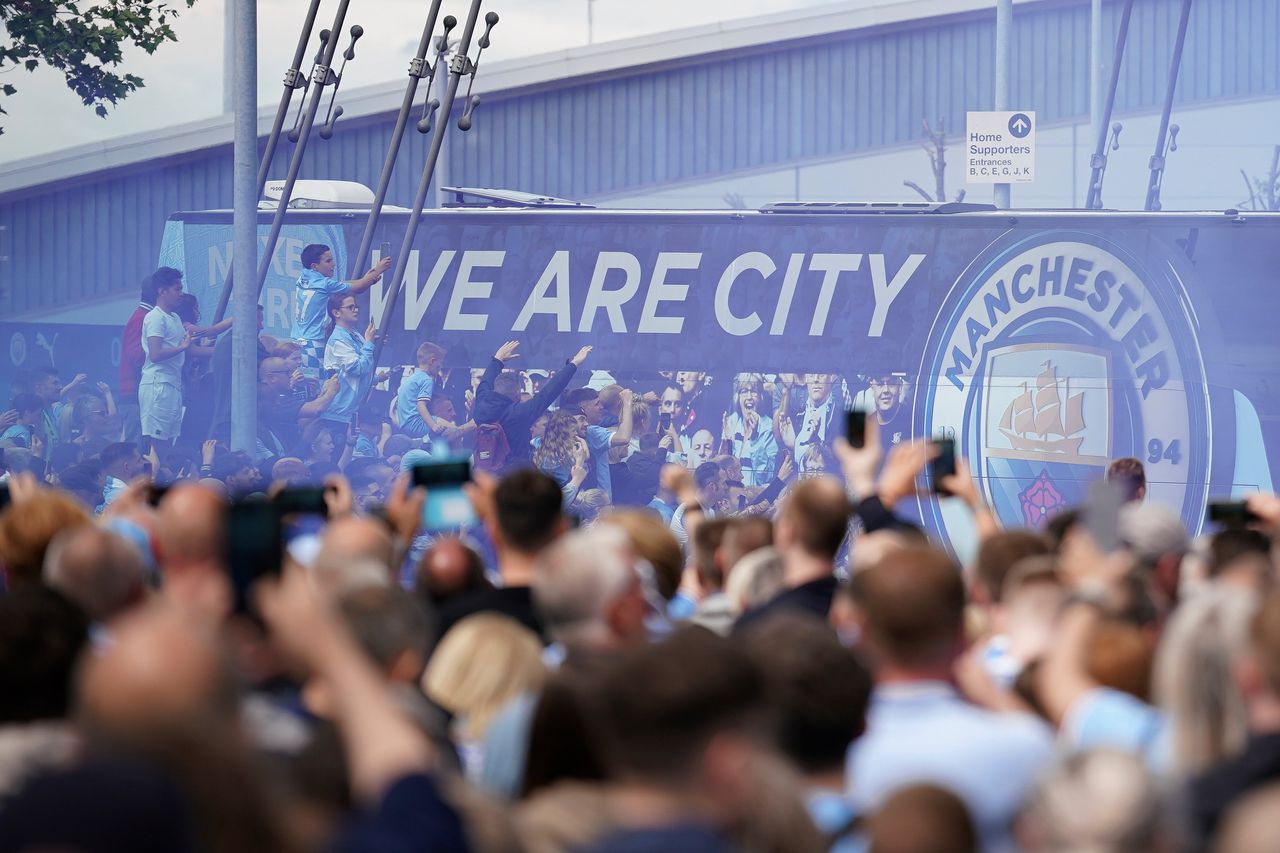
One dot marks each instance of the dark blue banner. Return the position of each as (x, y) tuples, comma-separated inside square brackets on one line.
[(1045, 344)]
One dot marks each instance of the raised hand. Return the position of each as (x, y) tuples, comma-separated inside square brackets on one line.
[(906, 461), (581, 356), (104, 389), (371, 333), (507, 351), (858, 464), (9, 418), (786, 468), (787, 431)]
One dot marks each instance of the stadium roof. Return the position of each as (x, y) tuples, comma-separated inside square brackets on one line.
[(508, 79)]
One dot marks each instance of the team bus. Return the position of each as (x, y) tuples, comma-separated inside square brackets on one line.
[(1044, 343)]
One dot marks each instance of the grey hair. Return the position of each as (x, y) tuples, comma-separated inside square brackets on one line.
[(101, 572), (755, 579), (1193, 682), (1101, 801), (576, 580)]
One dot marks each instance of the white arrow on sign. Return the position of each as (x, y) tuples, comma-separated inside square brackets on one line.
[(1021, 125)]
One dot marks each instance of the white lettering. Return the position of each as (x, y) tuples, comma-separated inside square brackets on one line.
[(610, 300), (832, 265), (542, 302), (783, 309), (292, 258), (734, 325), (219, 265), (886, 291), (464, 288), (415, 307), (660, 290)]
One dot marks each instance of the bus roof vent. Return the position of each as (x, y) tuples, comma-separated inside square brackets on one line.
[(865, 207), (318, 195), (482, 197)]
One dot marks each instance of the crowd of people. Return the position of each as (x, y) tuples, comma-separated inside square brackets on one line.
[(673, 625)]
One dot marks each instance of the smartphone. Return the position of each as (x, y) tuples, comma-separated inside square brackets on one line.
[(942, 465), (1231, 513), (447, 507), (302, 500), (855, 427), (384, 251), (664, 421), (255, 546), (1102, 514)]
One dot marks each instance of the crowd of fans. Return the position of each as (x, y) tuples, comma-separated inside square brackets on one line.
[(763, 652)]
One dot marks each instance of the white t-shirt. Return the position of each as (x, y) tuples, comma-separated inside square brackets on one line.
[(161, 324)]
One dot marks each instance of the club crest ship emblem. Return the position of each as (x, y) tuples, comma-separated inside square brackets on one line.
[(1041, 421), (1053, 355)]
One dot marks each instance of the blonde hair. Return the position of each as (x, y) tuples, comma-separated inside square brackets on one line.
[(590, 502), (1193, 682), (480, 665), (558, 438)]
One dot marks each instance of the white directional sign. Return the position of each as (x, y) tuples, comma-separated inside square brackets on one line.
[(1000, 147)]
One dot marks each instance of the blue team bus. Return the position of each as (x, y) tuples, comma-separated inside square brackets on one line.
[(1045, 343)]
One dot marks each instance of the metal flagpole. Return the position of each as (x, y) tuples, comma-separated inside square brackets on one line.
[(419, 69), (244, 332), (293, 79), (1157, 162), (1098, 162), (459, 66), (1004, 59), (321, 76)]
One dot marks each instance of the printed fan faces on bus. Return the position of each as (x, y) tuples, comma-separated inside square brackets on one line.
[(818, 421), (888, 393)]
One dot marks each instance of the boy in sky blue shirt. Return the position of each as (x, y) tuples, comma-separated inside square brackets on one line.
[(311, 297), (414, 397)]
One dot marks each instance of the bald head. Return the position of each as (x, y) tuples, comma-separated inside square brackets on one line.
[(355, 539), (447, 569), (98, 570), (289, 469), (273, 374), (159, 668), (191, 527)]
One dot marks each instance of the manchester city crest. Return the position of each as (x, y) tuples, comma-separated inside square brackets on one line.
[(1053, 355)]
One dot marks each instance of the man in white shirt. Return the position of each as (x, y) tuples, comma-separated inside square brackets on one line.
[(165, 342)]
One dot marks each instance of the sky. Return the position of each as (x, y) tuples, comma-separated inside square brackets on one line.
[(183, 80)]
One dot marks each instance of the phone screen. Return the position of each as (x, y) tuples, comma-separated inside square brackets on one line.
[(303, 512), (942, 465), (447, 507), (664, 421), (1231, 513), (384, 251), (255, 546), (855, 427)]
